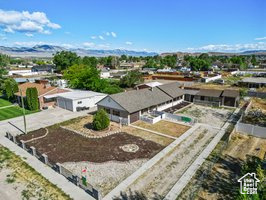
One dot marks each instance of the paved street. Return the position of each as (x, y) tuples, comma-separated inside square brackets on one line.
[(38, 120)]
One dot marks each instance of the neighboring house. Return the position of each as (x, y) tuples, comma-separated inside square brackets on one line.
[(253, 82), (129, 106), (43, 68), (77, 100), (207, 79), (105, 73), (43, 89), (213, 97), (20, 71)]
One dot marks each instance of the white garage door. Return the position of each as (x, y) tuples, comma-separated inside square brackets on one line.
[(65, 103)]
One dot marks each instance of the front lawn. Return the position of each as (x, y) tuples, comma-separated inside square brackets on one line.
[(11, 112), (4, 102)]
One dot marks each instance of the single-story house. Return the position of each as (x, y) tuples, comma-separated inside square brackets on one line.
[(77, 100), (129, 106), (253, 82), (43, 89), (105, 73), (215, 97), (43, 68)]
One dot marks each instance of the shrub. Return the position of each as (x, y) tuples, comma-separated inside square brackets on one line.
[(100, 120), (32, 99)]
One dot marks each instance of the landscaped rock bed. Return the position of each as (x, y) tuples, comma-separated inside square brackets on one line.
[(66, 146)]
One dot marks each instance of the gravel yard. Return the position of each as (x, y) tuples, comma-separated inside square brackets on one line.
[(105, 176), (158, 181), (215, 117)]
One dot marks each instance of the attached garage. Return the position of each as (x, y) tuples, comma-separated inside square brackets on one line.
[(65, 103)]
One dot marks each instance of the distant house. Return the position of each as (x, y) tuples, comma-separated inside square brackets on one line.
[(253, 82), (43, 89), (43, 68), (76, 100), (105, 73), (129, 106), (148, 85), (214, 97)]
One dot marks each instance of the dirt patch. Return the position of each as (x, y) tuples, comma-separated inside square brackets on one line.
[(36, 134), (257, 103), (165, 127), (65, 146), (222, 182), (212, 116), (164, 141)]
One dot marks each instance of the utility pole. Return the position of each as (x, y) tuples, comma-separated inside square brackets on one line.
[(23, 110)]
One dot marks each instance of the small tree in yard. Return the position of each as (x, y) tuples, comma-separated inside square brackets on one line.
[(32, 99), (100, 120)]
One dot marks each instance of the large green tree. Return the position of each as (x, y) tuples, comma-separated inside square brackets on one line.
[(32, 99), (65, 59), (131, 79), (10, 87), (90, 61)]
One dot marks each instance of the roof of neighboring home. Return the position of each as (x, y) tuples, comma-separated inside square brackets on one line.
[(43, 67), (254, 80), (136, 100), (231, 93), (209, 93), (152, 84), (191, 92), (76, 94), (172, 89), (41, 88)]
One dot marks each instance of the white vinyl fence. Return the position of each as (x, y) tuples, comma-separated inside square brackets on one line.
[(250, 129)]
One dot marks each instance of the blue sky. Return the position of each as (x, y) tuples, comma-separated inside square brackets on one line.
[(152, 25)]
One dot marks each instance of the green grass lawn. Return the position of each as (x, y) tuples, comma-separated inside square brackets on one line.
[(11, 112), (4, 102)]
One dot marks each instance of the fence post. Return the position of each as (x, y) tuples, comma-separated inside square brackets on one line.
[(33, 149), (59, 168), (23, 144), (45, 158), (15, 139)]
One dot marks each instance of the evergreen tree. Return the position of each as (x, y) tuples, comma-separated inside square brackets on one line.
[(100, 120)]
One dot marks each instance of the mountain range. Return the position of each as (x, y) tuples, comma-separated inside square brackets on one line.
[(49, 50)]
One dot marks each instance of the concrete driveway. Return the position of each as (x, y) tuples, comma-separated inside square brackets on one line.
[(38, 120)]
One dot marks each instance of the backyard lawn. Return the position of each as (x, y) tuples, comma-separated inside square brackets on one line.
[(11, 112), (4, 102), (166, 127)]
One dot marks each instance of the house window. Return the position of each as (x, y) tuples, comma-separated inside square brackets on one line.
[(79, 102), (107, 110), (115, 112), (202, 98)]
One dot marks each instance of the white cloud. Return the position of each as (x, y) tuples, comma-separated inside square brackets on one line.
[(230, 47), (35, 22), (88, 44), (29, 34), (93, 37), (103, 46), (261, 38), (113, 34), (101, 37), (129, 43), (107, 33)]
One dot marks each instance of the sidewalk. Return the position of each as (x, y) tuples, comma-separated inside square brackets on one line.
[(69, 188)]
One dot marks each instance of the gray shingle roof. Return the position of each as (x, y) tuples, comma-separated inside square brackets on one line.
[(231, 93), (209, 93), (137, 100), (172, 89), (254, 80)]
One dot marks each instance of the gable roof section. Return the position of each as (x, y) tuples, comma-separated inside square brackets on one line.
[(231, 93), (136, 100), (209, 93), (172, 89)]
